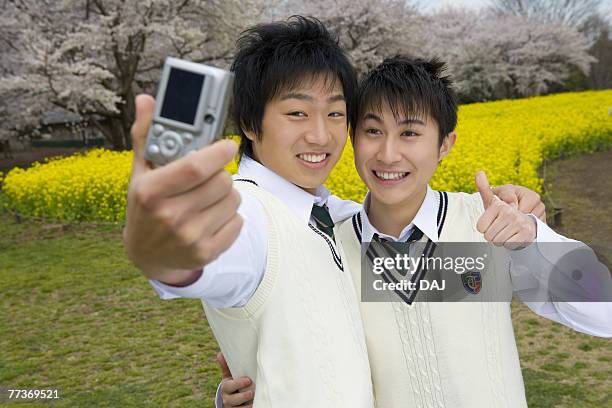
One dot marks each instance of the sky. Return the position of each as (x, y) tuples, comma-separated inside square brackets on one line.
[(476, 4)]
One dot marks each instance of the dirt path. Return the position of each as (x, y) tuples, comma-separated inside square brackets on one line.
[(582, 187)]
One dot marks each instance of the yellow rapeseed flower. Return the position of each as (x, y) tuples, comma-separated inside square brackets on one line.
[(509, 139)]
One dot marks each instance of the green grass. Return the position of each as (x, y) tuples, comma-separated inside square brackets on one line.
[(75, 315), (561, 368)]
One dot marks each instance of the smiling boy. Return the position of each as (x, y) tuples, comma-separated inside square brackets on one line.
[(428, 353), (279, 299)]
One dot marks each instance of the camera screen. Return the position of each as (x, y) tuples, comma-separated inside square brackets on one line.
[(182, 96)]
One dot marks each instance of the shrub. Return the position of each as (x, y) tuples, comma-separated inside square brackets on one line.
[(81, 187)]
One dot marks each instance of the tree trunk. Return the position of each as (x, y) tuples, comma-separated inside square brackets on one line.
[(112, 129), (117, 133), (128, 114), (117, 128)]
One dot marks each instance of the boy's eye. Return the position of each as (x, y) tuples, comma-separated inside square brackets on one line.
[(336, 114), (409, 133), (373, 131), (298, 114)]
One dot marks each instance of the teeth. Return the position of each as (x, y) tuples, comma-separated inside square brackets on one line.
[(313, 158), (385, 175)]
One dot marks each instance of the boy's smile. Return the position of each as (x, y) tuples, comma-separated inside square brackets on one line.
[(390, 177), (313, 160), (304, 131)]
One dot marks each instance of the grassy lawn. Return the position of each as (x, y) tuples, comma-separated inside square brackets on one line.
[(562, 368), (75, 315)]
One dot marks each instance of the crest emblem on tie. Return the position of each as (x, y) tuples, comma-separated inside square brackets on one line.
[(472, 281)]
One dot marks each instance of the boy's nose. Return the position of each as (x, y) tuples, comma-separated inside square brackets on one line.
[(388, 152), (319, 133)]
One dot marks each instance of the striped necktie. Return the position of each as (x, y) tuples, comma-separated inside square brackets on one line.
[(321, 216), (390, 248), (415, 235)]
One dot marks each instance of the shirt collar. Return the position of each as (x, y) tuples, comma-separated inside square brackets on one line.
[(425, 219), (292, 196)]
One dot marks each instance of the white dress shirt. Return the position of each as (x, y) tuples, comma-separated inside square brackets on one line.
[(529, 269), (233, 277)]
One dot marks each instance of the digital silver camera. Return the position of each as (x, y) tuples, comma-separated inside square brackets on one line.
[(190, 110)]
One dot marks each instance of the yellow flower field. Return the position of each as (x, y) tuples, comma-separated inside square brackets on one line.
[(88, 187), (509, 139)]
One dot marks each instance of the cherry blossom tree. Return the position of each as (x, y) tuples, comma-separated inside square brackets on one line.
[(494, 56), (369, 30), (92, 56), (568, 12)]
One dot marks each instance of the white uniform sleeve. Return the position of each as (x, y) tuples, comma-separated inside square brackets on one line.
[(340, 209), (218, 398), (531, 270), (233, 277)]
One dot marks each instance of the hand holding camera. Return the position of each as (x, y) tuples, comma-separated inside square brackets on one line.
[(182, 215)]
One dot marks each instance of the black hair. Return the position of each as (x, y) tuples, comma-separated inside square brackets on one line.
[(279, 56), (412, 87)]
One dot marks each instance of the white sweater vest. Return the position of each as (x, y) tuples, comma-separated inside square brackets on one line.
[(300, 336), (451, 355)]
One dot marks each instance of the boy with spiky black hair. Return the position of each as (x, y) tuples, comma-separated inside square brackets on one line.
[(405, 125), (268, 64), (430, 353), (279, 301)]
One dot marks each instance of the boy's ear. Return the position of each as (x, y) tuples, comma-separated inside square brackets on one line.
[(249, 134), (447, 145)]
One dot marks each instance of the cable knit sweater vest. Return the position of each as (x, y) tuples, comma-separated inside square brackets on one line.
[(435, 355), (300, 337)]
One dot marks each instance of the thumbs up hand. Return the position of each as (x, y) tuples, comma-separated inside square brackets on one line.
[(482, 184), (502, 223)]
